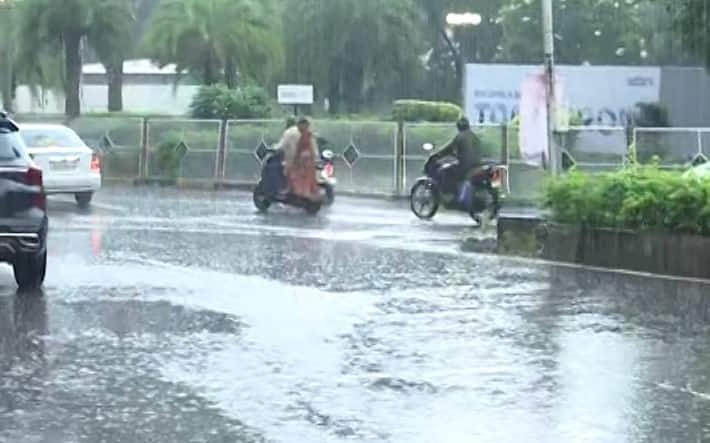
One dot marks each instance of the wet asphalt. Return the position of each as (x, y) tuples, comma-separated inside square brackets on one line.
[(186, 317)]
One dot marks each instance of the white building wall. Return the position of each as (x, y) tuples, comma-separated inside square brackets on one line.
[(147, 99)]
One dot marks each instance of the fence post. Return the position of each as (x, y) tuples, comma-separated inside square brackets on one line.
[(631, 148), (143, 170), (399, 159), (504, 154), (221, 153)]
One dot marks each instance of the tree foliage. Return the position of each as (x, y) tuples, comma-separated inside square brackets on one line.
[(358, 53), (598, 32), (353, 50), (48, 28), (692, 20), (217, 40)]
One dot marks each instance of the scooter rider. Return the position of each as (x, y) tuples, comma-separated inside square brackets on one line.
[(466, 147), (275, 177)]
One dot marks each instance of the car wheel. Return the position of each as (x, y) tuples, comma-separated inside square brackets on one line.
[(83, 199), (30, 270)]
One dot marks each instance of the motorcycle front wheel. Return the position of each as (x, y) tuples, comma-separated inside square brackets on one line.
[(424, 199)]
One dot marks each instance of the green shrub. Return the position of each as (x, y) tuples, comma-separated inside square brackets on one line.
[(220, 102), (637, 198), (423, 111), (169, 157)]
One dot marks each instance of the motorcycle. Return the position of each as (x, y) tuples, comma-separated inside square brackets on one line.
[(269, 190), (479, 196)]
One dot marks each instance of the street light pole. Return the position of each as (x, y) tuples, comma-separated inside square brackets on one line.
[(549, 48)]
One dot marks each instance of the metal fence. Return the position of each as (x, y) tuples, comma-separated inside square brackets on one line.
[(371, 157), (594, 148), (183, 149), (672, 147)]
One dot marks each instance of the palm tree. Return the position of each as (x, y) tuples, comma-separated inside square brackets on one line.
[(51, 27), (111, 36), (217, 40)]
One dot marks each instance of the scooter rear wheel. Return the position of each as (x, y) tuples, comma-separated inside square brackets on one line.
[(328, 194), (424, 199), (312, 208)]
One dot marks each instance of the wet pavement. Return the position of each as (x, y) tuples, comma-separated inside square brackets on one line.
[(186, 317)]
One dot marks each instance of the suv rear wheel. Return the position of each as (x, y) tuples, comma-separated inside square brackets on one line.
[(30, 270)]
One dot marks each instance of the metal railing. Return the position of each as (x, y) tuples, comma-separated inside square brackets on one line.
[(371, 157), (672, 147)]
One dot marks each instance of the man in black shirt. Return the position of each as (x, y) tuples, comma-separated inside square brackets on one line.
[(466, 147)]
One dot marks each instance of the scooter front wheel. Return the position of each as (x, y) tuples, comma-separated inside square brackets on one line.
[(261, 201), (424, 199)]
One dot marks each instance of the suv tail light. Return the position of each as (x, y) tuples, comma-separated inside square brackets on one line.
[(95, 162), (33, 177)]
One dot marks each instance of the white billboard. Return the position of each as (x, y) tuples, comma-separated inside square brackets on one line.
[(295, 94), (605, 95)]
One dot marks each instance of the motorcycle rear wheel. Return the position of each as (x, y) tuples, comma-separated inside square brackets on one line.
[(424, 199), (490, 208)]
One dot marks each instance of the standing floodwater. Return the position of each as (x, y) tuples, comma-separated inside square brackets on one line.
[(187, 317)]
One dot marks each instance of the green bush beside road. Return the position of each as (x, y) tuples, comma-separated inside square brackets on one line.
[(424, 111), (220, 102), (643, 198)]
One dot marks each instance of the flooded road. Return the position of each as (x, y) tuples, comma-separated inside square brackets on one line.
[(186, 317)]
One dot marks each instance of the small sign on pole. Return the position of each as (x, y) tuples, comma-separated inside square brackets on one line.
[(295, 95)]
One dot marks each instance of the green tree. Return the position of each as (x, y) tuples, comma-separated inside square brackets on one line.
[(112, 38), (691, 19), (593, 31), (48, 28), (217, 40), (354, 51)]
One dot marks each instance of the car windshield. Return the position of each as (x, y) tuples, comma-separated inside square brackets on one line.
[(10, 145), (51, 138)]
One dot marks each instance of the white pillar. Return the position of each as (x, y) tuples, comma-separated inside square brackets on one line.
[(549, 49)]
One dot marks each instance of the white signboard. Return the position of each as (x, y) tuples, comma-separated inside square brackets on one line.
[(604, 95), (295, 94)]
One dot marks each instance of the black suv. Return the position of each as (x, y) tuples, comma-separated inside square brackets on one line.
[(23, 215)]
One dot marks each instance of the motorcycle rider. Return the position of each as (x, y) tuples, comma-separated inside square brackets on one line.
[(466, 147)]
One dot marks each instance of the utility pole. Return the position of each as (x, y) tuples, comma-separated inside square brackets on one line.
[(549, 48), (6, 57)]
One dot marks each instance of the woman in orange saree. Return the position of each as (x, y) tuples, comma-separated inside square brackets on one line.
[(301, 169)]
